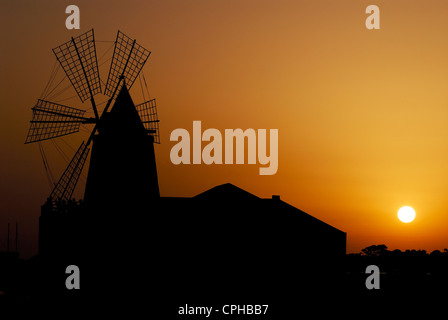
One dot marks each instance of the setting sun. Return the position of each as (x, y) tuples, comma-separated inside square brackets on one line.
[(406, 214)]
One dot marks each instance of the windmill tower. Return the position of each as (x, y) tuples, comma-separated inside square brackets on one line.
[(122, 165)]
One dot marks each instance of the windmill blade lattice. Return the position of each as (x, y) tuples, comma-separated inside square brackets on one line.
[(128, 60), (78, 59), (51, 120), (148, 114), (63, 190)]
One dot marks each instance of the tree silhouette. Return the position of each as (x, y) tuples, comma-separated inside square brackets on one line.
[(436, 253), (375, 250)]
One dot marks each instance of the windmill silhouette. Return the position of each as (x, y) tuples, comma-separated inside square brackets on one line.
[(216, 243), (123, 136)]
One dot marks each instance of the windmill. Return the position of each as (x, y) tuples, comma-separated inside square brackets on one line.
[(122, 139)]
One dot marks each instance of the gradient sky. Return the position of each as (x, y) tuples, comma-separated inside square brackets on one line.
[(362, 115)]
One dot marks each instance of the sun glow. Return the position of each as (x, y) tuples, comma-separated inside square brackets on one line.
[(406, 214)]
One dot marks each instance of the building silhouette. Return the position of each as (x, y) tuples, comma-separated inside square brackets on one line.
[(126, 239), (125, 235)]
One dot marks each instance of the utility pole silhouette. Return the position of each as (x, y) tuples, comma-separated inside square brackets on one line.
[(7, 245), (17, 237)]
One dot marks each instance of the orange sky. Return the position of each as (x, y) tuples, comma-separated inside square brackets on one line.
[(362, 115)]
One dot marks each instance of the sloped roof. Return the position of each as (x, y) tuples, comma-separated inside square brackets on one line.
[(226, 191), (286, 208), (229, 193)]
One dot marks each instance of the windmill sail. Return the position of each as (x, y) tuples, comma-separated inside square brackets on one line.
[(148, 114), (78, 59), (127, 61), (51, 120), (63, 190)]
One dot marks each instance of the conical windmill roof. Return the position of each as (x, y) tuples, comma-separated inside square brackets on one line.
[(123, 118), (122, 166)]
